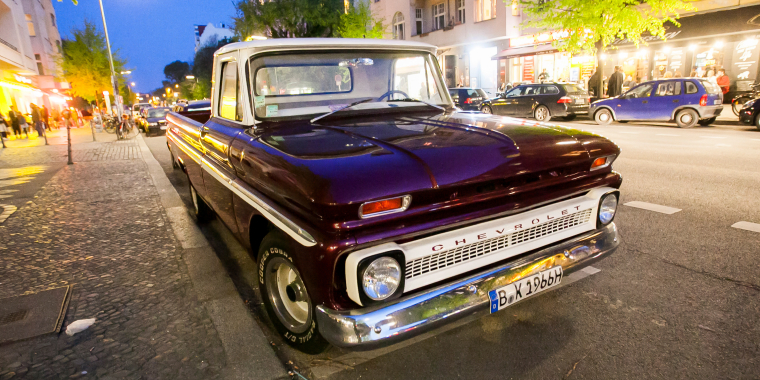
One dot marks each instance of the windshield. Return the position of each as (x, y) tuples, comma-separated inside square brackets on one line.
[(158, 112), (302, 85)]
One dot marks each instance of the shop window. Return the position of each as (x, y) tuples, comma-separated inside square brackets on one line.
[(229, 107), (460, 11), (439, 16), (691, 87), (398, 26), (670, 88), (418, 20), (30, 25), (485, 10)]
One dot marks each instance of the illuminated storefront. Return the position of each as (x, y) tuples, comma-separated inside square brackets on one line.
[(526, 57)]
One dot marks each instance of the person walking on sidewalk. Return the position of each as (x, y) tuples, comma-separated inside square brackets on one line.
[(37, 120), (4, 128), (615, 85), (723, 81), (21, 122), (45, 117)]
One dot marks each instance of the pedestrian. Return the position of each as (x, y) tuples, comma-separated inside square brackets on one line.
[(56, 117), (693, 73), (615, 85), (629, 82), (66, 118), (13, 119), (677, 74), (3, 128), (711, 77), (668, 74), (21, 122), (45, 117), (37, 120), (723, 81), (593, 83), (544, 76)]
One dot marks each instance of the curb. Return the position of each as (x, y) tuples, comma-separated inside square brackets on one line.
[(7, 211), (249, 354)]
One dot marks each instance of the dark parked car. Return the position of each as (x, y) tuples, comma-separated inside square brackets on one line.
[(688, 101), (374, 208), (197, 110), (153, 120), (468, 99), (541, 101), (750, 113)]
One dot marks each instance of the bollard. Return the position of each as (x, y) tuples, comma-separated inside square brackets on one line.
[(68, 137), (92, 129), (44, 134)]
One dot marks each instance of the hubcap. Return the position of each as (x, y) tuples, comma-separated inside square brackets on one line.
[(486, 110), (604, 116), (287, 295), (686, 118), (540, 114)]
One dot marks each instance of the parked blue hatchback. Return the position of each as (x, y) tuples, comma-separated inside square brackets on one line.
[(688, 101)]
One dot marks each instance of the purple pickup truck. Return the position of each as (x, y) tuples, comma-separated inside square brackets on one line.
[(376, 210)]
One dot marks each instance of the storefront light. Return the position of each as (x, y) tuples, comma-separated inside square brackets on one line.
[(718, 45), (623, 55), (603, 56), (14, 86), (692, 47)]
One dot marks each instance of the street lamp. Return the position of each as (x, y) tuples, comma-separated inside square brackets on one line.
[(132, 84), (126, 72), (191, 77), (176, 86)]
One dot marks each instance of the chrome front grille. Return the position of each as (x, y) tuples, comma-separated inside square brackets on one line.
[(437, 261)]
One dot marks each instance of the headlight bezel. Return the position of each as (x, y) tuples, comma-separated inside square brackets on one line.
[(399, 257), (599, 223)]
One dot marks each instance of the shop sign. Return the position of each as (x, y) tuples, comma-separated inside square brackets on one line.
[(745, 59), (528, 69), (22, 79), (538, 38)]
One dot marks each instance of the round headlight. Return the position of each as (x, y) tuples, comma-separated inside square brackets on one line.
[(381, 278), (607, 208)]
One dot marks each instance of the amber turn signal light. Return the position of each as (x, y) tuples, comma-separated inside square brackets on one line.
[(384, 206), (602, 162)]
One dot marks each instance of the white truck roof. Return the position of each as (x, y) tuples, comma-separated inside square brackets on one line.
[(279, 44)]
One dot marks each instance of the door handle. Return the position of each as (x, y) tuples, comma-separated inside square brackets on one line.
[(204, 131), (675, 101), (645, 102)]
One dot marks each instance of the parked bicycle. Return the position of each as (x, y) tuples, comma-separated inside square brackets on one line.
[(738, 102)]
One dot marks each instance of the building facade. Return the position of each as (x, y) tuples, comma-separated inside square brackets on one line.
[(29, 46), (481, 43), (209, 32)]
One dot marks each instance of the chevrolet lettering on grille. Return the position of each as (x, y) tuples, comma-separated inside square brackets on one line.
[(502, 230)]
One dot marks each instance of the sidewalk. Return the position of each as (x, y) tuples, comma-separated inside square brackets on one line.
[(100, 226)]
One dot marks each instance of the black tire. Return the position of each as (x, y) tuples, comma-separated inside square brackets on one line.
[(687, 118), (289, 306), (541, 113), (738, 103), (622, 121), (603, 117), (757, 121), (175, 164), (486, 109), (706, 122), (569, 118), (203, 213)]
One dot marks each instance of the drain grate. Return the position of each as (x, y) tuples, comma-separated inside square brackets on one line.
[(13, 317)]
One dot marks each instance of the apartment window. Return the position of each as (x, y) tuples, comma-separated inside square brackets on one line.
[(418, 18), (52, 19), (30, 25), (485, 10), (460, 11), (439, 16), (398, 26)]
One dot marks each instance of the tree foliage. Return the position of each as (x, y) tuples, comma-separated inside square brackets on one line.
[(85, 65), (176, 71), (203, 66), (594, 25), (288, 18), (360, 23)]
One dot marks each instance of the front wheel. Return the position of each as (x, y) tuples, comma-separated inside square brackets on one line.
[(603, 117), (738, 103), (542, 114), (202, 211), (757, 121), (285, 297), (687, 118), (486, 109)]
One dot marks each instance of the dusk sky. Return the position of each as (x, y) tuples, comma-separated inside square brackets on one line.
[(149, 33)]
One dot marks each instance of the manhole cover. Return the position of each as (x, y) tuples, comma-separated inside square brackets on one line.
[(31, 315)]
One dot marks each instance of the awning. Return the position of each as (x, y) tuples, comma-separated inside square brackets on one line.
[(523, 51)]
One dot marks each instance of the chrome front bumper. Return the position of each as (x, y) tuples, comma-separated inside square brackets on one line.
[(387, 323)]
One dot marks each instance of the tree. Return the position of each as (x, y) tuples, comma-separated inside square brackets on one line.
[(288, 18), (594, 25), (360, 23), (203, 65), (85, 65), (176, 71)]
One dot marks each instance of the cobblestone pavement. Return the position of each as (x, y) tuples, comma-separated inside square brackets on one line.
[(98, 225)]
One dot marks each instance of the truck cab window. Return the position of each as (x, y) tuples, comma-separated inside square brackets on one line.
[(229, 105)]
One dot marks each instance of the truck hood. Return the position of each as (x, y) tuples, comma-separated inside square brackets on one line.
[(344, 163)]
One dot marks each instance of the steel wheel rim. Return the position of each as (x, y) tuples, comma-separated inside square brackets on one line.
[(686, 118), (486, 110), (604, 116), (287, 295)]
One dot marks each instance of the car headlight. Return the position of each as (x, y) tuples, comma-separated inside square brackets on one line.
[(381, 278), (607, 208)]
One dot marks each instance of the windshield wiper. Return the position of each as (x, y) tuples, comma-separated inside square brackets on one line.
[(417, 101), (342, 108)]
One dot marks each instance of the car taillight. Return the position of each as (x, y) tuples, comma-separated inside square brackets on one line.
[(385, 206), (703, 100), (565, 99), (468, 101)]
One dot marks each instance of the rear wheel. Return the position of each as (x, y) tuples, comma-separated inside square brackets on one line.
[(486, 109), (542, 113), (687, 118), (603, 117), (203, 213), (757, 121), (707, 122), (285, 297)]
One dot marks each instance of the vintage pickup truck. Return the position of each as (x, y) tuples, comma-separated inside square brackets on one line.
[(374, 208)]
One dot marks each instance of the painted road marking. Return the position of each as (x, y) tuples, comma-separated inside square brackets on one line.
[(666, 134), (723, 145), (332, 366), (754, 227), (630, 133), (653, 207), (712, 137)]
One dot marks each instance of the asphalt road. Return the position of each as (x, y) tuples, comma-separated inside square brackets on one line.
[(679, 299)]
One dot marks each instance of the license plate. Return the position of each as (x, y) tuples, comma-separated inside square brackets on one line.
[(524, 288), (580, 101), (716, 102), (163, 127)]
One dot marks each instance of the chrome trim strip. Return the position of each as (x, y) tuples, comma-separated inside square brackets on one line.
[(398, 319), (239, 188)]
